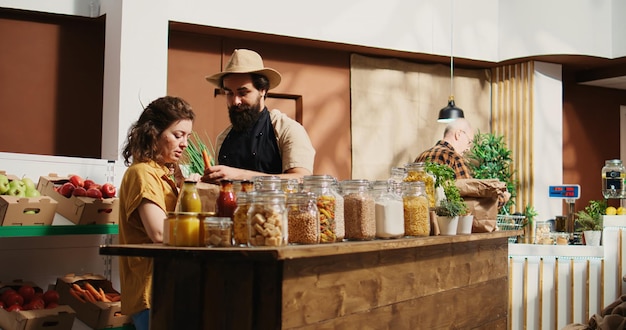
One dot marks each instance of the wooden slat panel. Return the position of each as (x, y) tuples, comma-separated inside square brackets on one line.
[(483, 306), (319, 289)]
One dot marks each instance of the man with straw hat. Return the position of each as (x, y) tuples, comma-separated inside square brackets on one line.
[(258, 141)]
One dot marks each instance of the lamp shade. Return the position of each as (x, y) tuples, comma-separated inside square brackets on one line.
[(450, 113)]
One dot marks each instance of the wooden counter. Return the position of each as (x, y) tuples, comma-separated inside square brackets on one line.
[(437, 282)]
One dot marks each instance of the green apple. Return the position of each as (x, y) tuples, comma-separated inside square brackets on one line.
[(32, 192), (17, 188), (4, 184), (30, 184)]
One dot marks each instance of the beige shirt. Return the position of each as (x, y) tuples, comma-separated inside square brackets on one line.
[(141, 181), (294, 144)]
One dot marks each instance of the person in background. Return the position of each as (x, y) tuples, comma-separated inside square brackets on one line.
[(148, 191), (258, 141), (457, 139)]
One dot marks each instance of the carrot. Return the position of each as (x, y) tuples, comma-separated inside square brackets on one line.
[(103, 296), (116, 298), (112, 296), (92, 291), (206, 158), (77, 288), (89, 296), (76, 295)]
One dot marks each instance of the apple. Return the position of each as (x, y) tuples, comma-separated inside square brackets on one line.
[(32, 192), (17, 188), (27, 292), (14, 308), (108, 190), (52, 305), (80, 191), (29, 183), (94, 193), (51, 296), (4, 184), (13, 299), (77, 180), (67, 189), (88, 183)]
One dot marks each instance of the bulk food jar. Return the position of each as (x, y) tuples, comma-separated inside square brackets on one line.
[(267, 219), (188, 198), (416, 210), (340, 226), (321, 186), (389, 210), (303, 218), (240, 218), (417, 172), (358, 213), (267, 182), (613, 176)]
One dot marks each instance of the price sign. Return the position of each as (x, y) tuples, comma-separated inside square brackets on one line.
[(571, 191)]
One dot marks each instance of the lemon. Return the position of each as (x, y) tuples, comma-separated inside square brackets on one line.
[(621, 210), (610, 211)]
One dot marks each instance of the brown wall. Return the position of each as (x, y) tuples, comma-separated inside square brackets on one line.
[(51, 80), (591, 135)]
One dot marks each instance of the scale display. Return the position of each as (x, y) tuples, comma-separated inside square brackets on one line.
[(571, 191)]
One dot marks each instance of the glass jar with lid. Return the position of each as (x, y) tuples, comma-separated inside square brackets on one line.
[(321, 186), (359, 212), (226, 200), (389, 210), (613, 176), (267, 219), (340, 224), (189, 198), (267, 182), (417, 172), (303, 221), (416, 209), (398, 174), (240, 218)]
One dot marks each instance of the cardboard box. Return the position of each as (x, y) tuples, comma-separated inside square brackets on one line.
[(27, 211), (58, 318), (98, 315), (79, 210)]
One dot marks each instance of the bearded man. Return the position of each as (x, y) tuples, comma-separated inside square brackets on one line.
[(258, 141)]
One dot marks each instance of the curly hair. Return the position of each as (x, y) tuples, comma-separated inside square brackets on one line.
[(143, 136)]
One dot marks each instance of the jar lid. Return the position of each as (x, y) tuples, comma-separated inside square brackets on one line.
[(613, 161)]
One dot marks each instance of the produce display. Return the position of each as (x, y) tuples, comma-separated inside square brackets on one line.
[(77, 186), (27, 297), (24, 187)]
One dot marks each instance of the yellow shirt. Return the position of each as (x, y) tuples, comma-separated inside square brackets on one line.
[(141, 181)]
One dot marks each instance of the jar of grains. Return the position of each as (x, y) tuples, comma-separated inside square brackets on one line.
[(358, 213), (240, 218), (389, 210), (267, 219), (320, 185), (340, 224), (416, 210), (303, 220), (417, 172)]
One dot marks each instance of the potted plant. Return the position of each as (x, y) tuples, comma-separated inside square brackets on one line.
[(589, 221), (450, 208)]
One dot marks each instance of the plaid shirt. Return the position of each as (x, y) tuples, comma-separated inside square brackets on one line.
[(443, 153)]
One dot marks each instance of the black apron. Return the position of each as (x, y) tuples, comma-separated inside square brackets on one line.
[(255, 149)]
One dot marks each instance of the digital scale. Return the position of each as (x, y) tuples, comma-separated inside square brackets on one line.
[(570, 193)]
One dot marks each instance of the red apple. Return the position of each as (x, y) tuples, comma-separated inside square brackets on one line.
[(13, 299), (27, 292), (108, 190), (13, 308), (94, 193), (88, 183), (67, 189), (77, 180), (79, 191), (51, 296), (52, 305)]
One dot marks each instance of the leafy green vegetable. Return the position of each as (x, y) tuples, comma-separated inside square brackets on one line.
[(193, 153)]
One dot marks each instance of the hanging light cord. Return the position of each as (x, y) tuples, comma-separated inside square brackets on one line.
[(451, 48)]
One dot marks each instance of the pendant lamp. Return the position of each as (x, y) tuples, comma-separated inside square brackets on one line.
[(451, 112)]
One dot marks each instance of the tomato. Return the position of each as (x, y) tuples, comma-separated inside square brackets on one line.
[(51, 296), (77, 180), (27, 292)]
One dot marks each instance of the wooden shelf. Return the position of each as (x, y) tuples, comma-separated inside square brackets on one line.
[(33, 231)]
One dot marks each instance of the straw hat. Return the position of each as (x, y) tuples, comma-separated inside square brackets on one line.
[(246, 61)]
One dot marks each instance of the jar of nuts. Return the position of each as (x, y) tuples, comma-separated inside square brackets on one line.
[(267, 219), (321, 186), (303, 220), (416, 210), (359, 212)]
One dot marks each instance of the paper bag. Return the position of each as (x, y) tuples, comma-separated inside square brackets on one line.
[(483, 198), (208, 195)]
